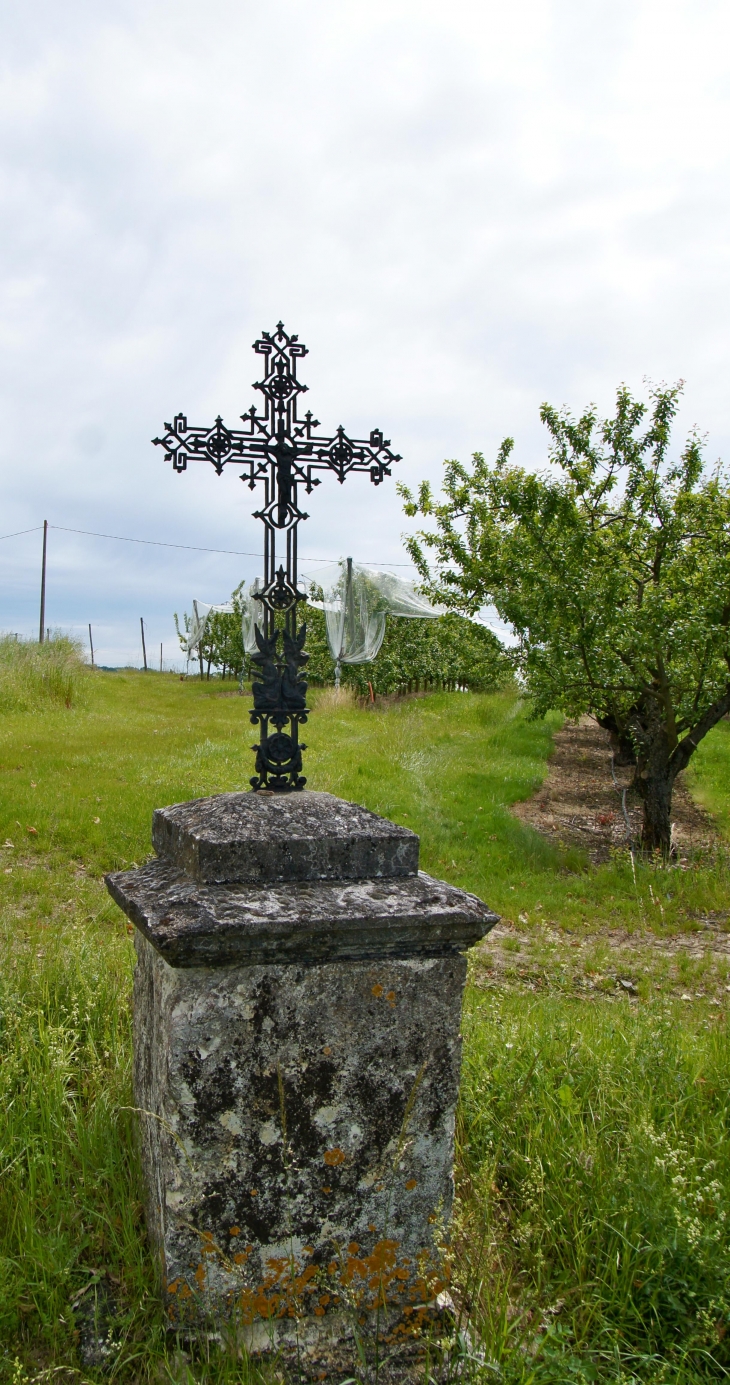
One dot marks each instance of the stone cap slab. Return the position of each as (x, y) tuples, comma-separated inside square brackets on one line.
[(194, 925), (261, 839)]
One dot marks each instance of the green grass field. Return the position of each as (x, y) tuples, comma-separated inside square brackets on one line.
[(594, 1177)]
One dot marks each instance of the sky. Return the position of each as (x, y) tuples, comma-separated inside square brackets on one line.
[(462, 209)]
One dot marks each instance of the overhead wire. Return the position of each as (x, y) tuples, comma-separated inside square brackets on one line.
[(194, 548), (160, 543), (34, 530)]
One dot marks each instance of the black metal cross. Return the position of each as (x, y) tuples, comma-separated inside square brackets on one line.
[(283, 451)]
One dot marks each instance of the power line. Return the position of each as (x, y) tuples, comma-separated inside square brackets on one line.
[(158, 543), (34, 530)]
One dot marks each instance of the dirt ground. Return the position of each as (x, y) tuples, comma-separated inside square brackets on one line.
[(580, 805), (610, 965)]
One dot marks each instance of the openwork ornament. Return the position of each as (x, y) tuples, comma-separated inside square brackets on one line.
[(283, 452)]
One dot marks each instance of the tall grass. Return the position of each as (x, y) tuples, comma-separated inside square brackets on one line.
[(594, 1171), (596, 1179), (37, 676)]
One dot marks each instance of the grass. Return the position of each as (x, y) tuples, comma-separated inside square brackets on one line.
[(596, 1183), (34, 676), (553, 1187), (709, 774)]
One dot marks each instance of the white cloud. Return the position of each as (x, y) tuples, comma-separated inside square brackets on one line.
[(463, 210)]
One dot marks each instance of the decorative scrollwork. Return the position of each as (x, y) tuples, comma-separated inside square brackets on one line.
[(281, 451), (278, 764)]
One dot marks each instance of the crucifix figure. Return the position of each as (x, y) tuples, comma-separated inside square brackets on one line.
[(283, 451)]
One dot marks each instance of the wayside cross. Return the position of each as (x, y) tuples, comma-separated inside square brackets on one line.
[(283, 451)]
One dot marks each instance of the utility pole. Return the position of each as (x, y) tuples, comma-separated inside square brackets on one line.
[(91, 642), (160, 658), (144, 648), (41, 631)]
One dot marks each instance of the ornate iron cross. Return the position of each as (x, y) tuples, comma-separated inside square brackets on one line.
[(284, 452)]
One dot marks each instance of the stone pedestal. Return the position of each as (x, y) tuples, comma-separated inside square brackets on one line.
[(297, 1008)]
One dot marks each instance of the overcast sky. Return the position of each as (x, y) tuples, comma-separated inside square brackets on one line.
[(463, 209)]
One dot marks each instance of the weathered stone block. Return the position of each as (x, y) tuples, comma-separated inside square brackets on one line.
[(300, 1148), (212, 925), (296, 1068), (264, 838)]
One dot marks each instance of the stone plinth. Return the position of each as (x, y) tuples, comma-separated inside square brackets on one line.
[(297, 1008)]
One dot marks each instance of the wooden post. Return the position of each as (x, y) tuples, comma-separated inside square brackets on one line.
[(91, 642), (144, 648), (160, 658), (41, 631), (350, 605)]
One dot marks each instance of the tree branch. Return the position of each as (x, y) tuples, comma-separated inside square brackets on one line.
[(680, 758)]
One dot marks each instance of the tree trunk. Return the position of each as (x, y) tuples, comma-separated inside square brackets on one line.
[(654, 775), (655, 790), (621, 742), (660, 757)]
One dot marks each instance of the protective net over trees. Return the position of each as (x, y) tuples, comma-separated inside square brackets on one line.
[(356, 601), (199, 620), (350, 639)]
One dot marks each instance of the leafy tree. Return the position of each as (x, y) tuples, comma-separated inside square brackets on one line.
[(449, 651), (613, 568)]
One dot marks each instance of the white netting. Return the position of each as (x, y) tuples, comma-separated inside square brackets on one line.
[(356, 601), (199, 620), (251, 614)]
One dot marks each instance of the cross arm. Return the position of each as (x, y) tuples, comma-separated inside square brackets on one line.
[(256, 445), (342, 454), (218, 445)]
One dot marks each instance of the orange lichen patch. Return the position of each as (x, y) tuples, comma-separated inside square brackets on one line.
[(372, 1227), (200, 1275), (384, 1278), (209, 1246), (174, 1286), (254, 1192), (326, 1190), (412, 1183), (284, 1293), (186, 1291), (334, 1156), (377, 991), (390, 997), (326, 1050), (236, 1230)]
